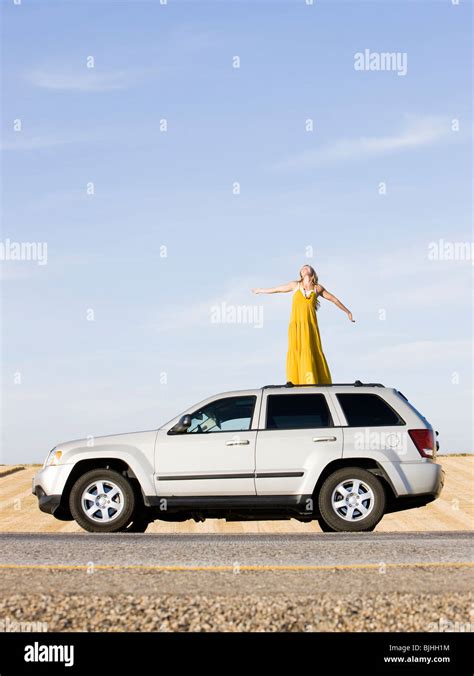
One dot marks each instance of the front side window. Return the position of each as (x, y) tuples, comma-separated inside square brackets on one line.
[(232, 414), (368, 410), (297, 411)]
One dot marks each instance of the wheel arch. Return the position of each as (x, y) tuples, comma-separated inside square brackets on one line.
[(86, 465), (363, 463)]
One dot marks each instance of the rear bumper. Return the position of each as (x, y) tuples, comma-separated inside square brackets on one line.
[(409, 502), (440, 483), (412, 479)]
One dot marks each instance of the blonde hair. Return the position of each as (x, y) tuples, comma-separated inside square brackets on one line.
[(313, 277)]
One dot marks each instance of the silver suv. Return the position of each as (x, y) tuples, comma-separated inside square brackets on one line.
[(343, 455)]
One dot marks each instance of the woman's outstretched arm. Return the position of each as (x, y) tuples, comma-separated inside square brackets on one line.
[(284, 288), (329, 296)]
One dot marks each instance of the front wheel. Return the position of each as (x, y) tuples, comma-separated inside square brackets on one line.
[(351, 499), (325, 527), (102, 501)]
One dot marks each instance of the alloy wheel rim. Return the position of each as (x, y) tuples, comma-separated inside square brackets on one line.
[(102, 501), (353, 500)]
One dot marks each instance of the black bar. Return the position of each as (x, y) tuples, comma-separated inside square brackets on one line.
[(322, 653)]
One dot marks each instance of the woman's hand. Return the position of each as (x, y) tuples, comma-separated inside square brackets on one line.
[(256, 290), (349, 314)]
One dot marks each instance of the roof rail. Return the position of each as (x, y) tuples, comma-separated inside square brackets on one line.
[(356, 383)]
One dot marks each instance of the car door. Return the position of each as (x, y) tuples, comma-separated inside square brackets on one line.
[(216, 456), (298, 436)]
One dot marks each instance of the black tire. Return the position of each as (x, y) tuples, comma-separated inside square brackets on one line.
[(331, 518), (325, 527), (139, 524), (126, 504)]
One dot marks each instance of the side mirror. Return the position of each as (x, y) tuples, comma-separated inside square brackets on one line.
[(182, 425)]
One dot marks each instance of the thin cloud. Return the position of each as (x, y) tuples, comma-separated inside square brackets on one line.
[(23, 141), (17, 271), (198, 315), (42, 138), (416, 133), (89, 80), (420, 354)]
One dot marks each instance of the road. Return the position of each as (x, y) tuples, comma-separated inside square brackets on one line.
[(249, 582), (282, 550), (282, 562)]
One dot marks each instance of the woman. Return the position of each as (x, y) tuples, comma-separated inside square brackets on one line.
[(305, 361)]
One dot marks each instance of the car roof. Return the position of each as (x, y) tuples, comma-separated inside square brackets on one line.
[(289, 387), (356, 383)]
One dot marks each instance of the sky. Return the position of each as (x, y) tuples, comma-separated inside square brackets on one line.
[(174, 156)]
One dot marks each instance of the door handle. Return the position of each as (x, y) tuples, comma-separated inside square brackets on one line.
[(324, 439), (237, 442)]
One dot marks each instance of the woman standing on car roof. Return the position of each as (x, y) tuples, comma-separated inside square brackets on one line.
[(305, 360)]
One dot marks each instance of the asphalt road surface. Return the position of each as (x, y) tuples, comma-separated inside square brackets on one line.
[(255, 550), (277, 562)]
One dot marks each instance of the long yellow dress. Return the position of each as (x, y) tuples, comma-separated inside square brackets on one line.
[(305, 360)]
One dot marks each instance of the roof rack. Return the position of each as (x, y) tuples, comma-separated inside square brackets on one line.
[(356, 383)]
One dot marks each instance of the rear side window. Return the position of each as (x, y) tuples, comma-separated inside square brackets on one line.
[(368, 410), (297, 411)]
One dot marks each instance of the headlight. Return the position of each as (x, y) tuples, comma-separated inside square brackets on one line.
[(53, 458)]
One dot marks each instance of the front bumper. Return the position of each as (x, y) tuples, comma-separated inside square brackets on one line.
[(48, 486), (47, 503)]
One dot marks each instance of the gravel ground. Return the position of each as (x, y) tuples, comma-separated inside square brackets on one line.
[(420, 580), (276, 612)]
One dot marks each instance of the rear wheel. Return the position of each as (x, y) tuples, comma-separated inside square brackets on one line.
[(102, 501), (351, 499)]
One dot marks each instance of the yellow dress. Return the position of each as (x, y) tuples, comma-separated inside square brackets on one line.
[(305, 361)]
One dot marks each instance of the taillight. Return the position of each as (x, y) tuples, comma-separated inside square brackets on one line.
[(424, 442)]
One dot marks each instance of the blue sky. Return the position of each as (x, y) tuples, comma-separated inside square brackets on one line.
[(152, 349)]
